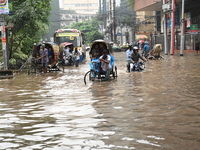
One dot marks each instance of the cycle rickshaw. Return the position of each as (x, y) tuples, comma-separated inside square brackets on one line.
[(95, 72), (66, 55), (54, 61)]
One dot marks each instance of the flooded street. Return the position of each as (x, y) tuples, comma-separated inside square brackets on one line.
[(157, 109)]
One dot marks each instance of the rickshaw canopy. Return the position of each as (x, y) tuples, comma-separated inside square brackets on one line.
[(54, 46), (63, 45), (48, 45), (100, 41)]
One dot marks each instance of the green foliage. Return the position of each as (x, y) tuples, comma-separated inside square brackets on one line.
[(90, 29), (30, 19), (131, 4)]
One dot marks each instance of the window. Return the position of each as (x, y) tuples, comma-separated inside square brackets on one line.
[(77, 5), (83, 4)]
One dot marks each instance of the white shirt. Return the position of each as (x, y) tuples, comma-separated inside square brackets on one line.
[(104, 65)]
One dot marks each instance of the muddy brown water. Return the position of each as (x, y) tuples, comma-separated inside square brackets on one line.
[(157, 109)]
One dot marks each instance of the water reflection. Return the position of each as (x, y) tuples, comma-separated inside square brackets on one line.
[(154, 109)]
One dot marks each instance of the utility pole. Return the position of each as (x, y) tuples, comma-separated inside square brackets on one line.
[(182, 29), (114, 26), (165, 31), (172, 27), (111, 28)]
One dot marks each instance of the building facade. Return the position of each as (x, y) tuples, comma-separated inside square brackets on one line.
[(84, 10), (170, 9), (81, 6)]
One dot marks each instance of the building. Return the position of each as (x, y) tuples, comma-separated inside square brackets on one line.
[(77, 11), (81, 6), (172, 11)]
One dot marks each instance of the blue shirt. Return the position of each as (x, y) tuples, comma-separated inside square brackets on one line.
[(128, 54), (146, 48)]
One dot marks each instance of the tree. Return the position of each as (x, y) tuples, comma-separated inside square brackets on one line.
[(30, 19), (90, 29)]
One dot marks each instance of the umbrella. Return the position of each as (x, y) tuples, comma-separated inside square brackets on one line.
[(141, 37), (141, 41)]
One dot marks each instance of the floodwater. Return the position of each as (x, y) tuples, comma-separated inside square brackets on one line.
[(157, 109)]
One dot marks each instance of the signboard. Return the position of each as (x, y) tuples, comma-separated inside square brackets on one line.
[(4, 7), (119, 34), (188, 19), (194, 29)]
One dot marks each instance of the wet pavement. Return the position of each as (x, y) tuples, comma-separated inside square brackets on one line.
[(156, 109)]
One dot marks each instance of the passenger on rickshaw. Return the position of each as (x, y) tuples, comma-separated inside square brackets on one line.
[(44, 57), (106, 67), (94, 53), (135, 56), (66, 51), (50, 55), (76, 56), (102, 47)]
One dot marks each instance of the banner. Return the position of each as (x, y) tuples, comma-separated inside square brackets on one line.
[(4, 7)]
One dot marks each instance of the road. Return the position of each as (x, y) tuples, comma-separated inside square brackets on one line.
[(156, 109)]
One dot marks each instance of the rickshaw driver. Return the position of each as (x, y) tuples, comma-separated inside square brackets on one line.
[(105, 64), (44, 57)]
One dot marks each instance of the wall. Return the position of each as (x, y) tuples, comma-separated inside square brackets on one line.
[(139, 4)]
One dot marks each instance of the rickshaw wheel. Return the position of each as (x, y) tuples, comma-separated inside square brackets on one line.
[(113, 74), (89, 76), (32, 70), (115, 71)]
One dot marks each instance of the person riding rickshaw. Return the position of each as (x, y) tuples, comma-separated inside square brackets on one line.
[(155, 52), (70, 54), (102, 62), (45, 57)]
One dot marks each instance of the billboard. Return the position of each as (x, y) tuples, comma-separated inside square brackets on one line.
[(4, 7)]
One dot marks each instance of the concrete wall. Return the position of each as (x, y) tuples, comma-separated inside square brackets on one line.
[(139, 4)]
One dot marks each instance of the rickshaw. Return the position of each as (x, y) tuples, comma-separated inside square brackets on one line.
[(69, 54), (95, 72), (54, 63), (155, 53)]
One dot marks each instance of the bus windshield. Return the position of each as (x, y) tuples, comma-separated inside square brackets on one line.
[(64, 39)]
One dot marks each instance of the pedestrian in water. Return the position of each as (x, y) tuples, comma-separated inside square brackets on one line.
[(197, 46)]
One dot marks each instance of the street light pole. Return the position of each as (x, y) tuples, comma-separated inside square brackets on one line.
[(114, 26), (165, 32), (182, 29), (172, 28)]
